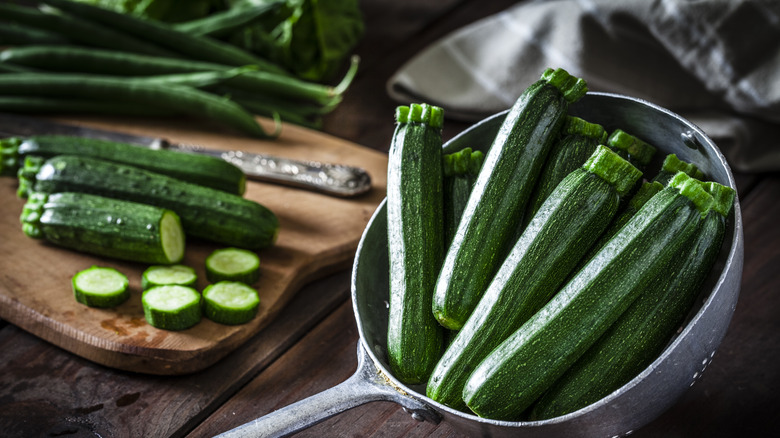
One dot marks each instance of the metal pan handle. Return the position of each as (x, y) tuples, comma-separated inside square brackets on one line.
[(367, 384)]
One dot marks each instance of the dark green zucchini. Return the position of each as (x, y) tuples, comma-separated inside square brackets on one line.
[(578, 141), (568, 222), (104, 226), (205, 213), (672, 164), (632, 148), (199, 169), (415, 232), (527, 363), (644, 330), (460, 172), (500, 195)]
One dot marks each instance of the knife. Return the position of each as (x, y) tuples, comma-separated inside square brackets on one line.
[(331, 179)]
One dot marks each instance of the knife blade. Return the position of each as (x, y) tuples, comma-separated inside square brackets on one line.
[(328, 178)]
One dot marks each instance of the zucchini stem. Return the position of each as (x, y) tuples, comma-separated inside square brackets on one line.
[(572, 87)]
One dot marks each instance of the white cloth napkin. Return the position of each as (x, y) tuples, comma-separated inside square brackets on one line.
[(715, 62)]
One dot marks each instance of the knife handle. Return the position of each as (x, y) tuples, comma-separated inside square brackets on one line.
[(333, 179)]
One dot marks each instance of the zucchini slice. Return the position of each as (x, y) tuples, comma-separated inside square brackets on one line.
[(230, 302), (233, 264), (171, 307), (160, 275), (100, 286)]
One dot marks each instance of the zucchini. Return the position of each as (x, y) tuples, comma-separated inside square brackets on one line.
[(171, 307), (637, 151), (568, 222), (230, 302), (205, 213), (500, 194), (100, 286), (233, 264), (672, 165), (105, 227), (159, 275), (527, 363), (460, 172), (196, 168), (644, 330), (415, 231), (579, 139)]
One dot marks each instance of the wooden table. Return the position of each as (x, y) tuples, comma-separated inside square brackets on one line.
[(46, 391)]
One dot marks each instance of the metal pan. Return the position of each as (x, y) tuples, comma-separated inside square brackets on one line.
[(632, 406)]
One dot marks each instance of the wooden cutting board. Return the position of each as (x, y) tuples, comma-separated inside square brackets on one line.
[(318, 235)]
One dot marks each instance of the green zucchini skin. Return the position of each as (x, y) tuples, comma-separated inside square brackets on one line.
[(205, 213), (104, 226), (195, 168), (575, 213), (460, 173), (524, 365), (415, 241), (499, 197), (641, 333), (578, 141)]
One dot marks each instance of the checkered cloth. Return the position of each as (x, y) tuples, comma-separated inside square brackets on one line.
[(715, 62)]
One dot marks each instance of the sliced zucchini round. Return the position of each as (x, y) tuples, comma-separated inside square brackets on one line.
[(230, 302), (100, 287), (160, 275), (171, 307), (233, 264)]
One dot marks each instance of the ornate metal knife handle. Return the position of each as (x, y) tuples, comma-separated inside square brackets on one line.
[(335, 179)]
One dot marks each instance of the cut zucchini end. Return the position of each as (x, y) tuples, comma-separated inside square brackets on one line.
[(613, 169), (233, 264), (160, 275), (100, 287), (693, 189), (230, 302), (172, 235), (171, 307), (634, 148)]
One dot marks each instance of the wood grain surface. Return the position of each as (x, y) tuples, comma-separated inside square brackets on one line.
[(46, 391), (318, 235)]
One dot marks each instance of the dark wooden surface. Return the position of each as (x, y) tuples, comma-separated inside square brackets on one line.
[(48, 392)]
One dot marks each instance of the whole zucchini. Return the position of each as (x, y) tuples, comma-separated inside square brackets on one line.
[(568, 222), (205, 213), (460, 172), (105, 227), (195, 168), (642, 332), (500, 194), (577, 143), (415, 232), (527, 363)]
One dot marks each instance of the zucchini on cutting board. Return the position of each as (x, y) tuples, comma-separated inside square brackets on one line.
[(318, 235)]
